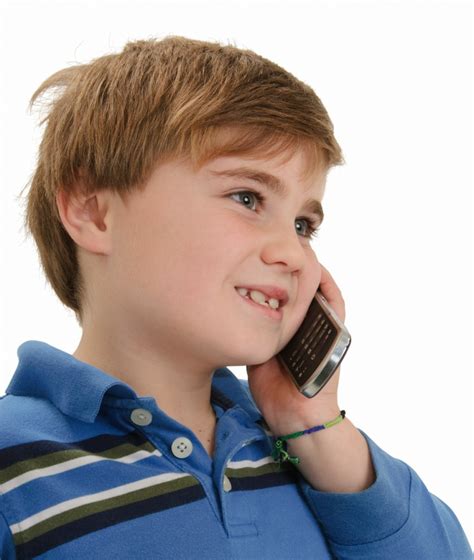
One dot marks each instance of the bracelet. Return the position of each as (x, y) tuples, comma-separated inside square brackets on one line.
[(280, 453)]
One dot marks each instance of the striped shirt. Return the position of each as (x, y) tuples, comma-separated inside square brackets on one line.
[(89, 469)]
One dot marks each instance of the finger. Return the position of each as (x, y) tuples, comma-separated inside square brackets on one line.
[(332, 293), (328, 285)]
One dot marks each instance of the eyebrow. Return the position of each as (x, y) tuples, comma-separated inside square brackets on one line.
[(273, 183)]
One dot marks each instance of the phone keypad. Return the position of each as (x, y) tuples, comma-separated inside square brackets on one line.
[(311, 343)]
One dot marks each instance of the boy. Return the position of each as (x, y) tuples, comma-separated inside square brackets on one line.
[(177, 188)]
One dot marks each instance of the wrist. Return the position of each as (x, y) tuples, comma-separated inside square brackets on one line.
[(280, 450), (305, 421)]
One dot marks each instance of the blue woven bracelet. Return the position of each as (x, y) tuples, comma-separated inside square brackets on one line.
[(280, 453)]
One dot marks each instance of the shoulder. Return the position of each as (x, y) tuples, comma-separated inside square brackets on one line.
[(25, 419)]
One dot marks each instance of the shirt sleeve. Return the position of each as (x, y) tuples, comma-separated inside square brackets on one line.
[(396, 517), (7, 547)]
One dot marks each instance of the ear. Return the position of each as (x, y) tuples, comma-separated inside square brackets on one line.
[(87, 218)]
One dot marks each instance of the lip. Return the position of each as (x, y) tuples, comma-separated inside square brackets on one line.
[(275, 314), (270, 292)]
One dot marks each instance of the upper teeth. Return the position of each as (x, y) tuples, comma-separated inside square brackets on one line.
[(259, 297)]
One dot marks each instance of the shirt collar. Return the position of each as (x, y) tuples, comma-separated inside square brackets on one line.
[(78, 389)]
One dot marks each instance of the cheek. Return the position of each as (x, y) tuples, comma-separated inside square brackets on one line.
[(190, 255), (307, 285), (312, 278), (218, 238)]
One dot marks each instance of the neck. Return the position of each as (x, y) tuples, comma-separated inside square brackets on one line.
[(184, 394)]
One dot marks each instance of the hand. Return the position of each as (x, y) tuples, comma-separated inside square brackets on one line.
[(284, 408)]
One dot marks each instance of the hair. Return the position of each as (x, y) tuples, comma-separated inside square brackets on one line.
[(111, 121)]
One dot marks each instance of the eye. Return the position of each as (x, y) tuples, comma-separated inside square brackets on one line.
[(248, 195), (311, 230)]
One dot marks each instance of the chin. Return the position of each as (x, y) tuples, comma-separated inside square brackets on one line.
[(258, 357), (251, 349)]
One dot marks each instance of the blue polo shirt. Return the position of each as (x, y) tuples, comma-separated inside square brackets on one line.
[(89, 469)]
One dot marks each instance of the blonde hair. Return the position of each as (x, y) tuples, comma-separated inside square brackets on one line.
[(109, 122)]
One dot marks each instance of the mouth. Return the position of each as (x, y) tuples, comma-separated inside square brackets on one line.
[(263, 307)]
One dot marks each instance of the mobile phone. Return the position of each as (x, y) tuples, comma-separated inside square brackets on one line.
[(317, 348)]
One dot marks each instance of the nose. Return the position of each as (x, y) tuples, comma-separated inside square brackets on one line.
[(287, 248)]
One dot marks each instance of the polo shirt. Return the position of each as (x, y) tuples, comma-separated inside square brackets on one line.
[(89, 469)]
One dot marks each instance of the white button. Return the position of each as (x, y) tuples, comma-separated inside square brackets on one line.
[(141, 417), (182, 447), (227, 484)]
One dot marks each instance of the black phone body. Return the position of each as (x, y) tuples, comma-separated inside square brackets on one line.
[(317, 348)]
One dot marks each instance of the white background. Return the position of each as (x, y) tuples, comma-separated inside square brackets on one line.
[(396, 79)]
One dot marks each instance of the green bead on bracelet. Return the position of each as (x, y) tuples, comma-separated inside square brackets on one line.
[(280, 453)]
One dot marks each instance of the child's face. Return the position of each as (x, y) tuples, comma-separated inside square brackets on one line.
[(181, 247)]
